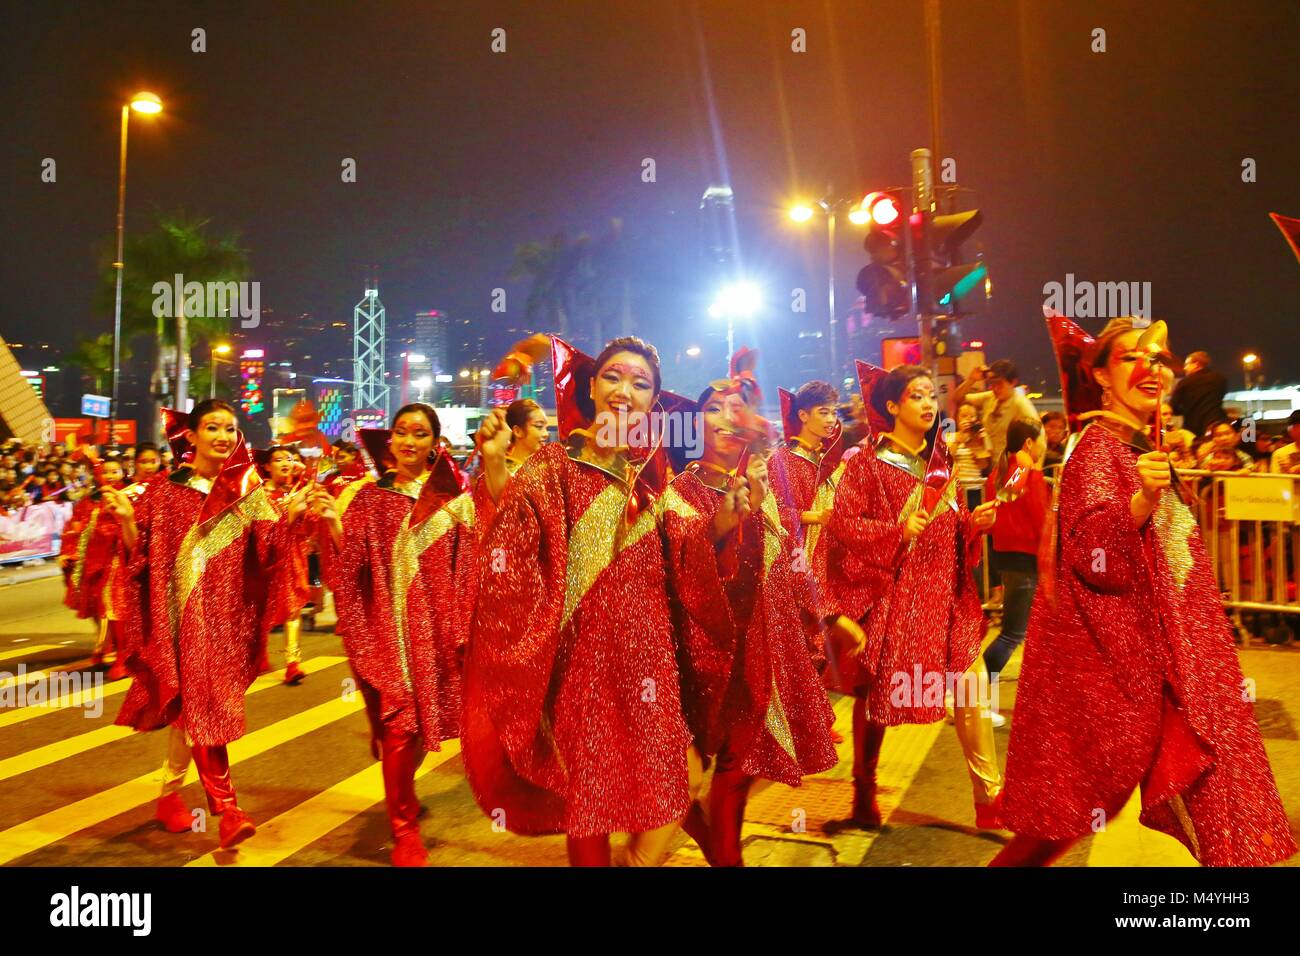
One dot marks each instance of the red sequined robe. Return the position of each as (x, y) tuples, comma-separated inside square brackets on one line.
[(91, 537), (748, 680), (793, 471), (290, 590), (1131, 679), (195, 609), (573, 711), (918, 602), (403, 596)]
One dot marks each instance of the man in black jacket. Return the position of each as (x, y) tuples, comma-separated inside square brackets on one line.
[(1198, 397)]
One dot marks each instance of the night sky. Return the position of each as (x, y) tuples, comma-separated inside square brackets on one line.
[(1120, 166)]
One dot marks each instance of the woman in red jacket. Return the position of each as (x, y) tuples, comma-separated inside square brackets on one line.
[(1016, 537)]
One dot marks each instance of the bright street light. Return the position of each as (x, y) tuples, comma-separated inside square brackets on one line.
[(142, 103), (693, 351), (801, 213), (737, 300), (145, 102)]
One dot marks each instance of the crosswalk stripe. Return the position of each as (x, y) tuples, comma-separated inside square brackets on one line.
[(71, 746), (28, 651), (76, 698), (80, 698), (297, 828), (1126, 842), (31, 835)]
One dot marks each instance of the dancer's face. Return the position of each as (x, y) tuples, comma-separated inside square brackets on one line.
[(412, 441), (1135, 384), (625, 385), (723, 414), (819, 421), (916, 408), (146, 464), (111, 472), (531, 436), (216, 437), (281, 467)]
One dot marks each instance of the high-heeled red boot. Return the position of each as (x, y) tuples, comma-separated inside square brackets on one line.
[(867, 740), (213, 764), (402, 756), (589, 851)]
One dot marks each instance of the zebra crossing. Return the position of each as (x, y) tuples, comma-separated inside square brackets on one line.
[(77, 790)]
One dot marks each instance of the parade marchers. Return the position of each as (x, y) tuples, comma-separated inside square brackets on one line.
[(597, 628)]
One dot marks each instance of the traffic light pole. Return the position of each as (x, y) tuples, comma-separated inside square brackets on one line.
[(830, 293), (919, 251)]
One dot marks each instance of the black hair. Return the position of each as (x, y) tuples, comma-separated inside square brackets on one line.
[(1019, 431), (893, 386), (814, 393), (426, 410), (347, 446), (630, 343), (519, 411), (146, 446), (207, 407)]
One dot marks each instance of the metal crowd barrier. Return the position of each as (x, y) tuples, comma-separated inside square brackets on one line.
[(1256, 563)]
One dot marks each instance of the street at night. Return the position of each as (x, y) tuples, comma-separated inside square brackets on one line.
[(581, 450)]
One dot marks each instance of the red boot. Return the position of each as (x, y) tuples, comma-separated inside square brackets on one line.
[(727, 797), (402, 756), (409, 850), (867, 739), (173, 814), (988, 816), (293, 674), (236, 827), (117, 671), (589, 851)]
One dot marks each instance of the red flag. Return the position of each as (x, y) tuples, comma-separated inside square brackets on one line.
[(1290, 232), (237, 478)]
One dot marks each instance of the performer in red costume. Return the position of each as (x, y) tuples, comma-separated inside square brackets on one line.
[(291, 590), (1130, 677), (902, 549), (402, 569), (573, 713), (805, 472), (754, 700), (196, 606), (528, 431), (89, 555)]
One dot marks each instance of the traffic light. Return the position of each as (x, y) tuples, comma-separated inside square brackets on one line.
[(945, 283), (883, 281)]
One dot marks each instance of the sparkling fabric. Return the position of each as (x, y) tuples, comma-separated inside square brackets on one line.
[(1131, 679), (573, 716), (290, 590), (917, 603), (760, 697), (403, 595), (91, 536), (195, 604)]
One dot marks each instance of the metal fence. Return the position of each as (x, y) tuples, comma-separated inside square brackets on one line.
[(1256, 563)]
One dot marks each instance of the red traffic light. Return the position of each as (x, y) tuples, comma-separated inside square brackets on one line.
[(882, 207)]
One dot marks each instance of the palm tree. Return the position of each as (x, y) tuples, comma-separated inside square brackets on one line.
[(95, 358), (178, 244)]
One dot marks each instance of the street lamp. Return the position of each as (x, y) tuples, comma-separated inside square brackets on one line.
[(859, 216), (737, 300), (222, 349), (148, 104)]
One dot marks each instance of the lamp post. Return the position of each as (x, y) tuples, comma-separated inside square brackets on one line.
[(148, 104), (222, 349)]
